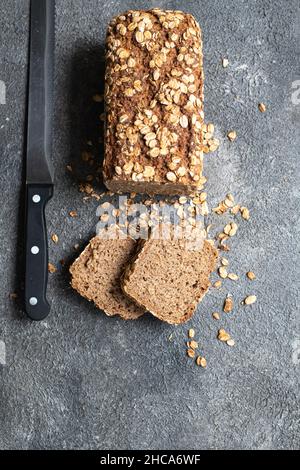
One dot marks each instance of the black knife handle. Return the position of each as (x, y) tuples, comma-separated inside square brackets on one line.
[(36, 271)]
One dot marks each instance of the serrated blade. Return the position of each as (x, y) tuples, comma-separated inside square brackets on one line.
[(40, 89)]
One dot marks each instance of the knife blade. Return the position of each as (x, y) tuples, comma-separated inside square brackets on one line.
[(39, 172)]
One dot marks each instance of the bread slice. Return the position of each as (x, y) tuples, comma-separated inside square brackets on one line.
[(168, 279), (96, 275)]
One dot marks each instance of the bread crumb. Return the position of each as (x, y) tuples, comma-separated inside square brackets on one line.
[(225, 63), (73, 214), (223, 335), (51, 268), (54, 238), (216, 316), (232, 135), (218, 284), (228, 304), (230, 342), (251, 275)]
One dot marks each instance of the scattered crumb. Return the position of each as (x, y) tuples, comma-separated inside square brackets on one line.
[(232, 135), (251, 299), (235, 209), (251, 275), (228, 304), (233, 276), (225, 63), (190, 353), (69, 168), (216, 316), (73, 214), (76, 247), (245, 213), (230, 342), (193, 344), (218, 284), (54, 238), (98, 98), (224, 261), (201, 361), (262, 107), (13, 296), (223, 336), (51, 268)]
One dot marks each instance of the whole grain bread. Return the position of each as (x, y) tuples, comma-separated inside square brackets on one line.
[(154, 103), (96, 275), (168, 279)]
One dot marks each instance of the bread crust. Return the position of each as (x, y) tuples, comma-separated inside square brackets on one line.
[(154, 103)]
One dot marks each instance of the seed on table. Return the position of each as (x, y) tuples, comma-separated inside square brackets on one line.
[(233, 276), (54, 238), (191, 333), (201, 361), (228, 305), (223, 335), (262, 107), (191, 353), (251, 299), (51, 268), (251, 275), (223, 272), (232, 135)]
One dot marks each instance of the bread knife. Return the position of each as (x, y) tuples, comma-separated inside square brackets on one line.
[(39, 172)]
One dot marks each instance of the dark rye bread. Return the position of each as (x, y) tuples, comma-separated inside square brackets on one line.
[(168, 279), (154, 103), (96, 276)]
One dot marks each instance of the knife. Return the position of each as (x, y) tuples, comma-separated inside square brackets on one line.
[(39, 173)]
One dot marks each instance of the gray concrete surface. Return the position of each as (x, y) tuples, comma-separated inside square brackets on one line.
[(80, 380)]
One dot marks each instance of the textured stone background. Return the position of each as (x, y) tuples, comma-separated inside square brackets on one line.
[(82, 380)]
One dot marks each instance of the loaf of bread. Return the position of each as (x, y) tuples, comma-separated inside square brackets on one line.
[(154, 103), (96, 275), (168, 279)]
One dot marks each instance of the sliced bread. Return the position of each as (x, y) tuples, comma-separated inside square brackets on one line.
[(96, 275), (168, 279)]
